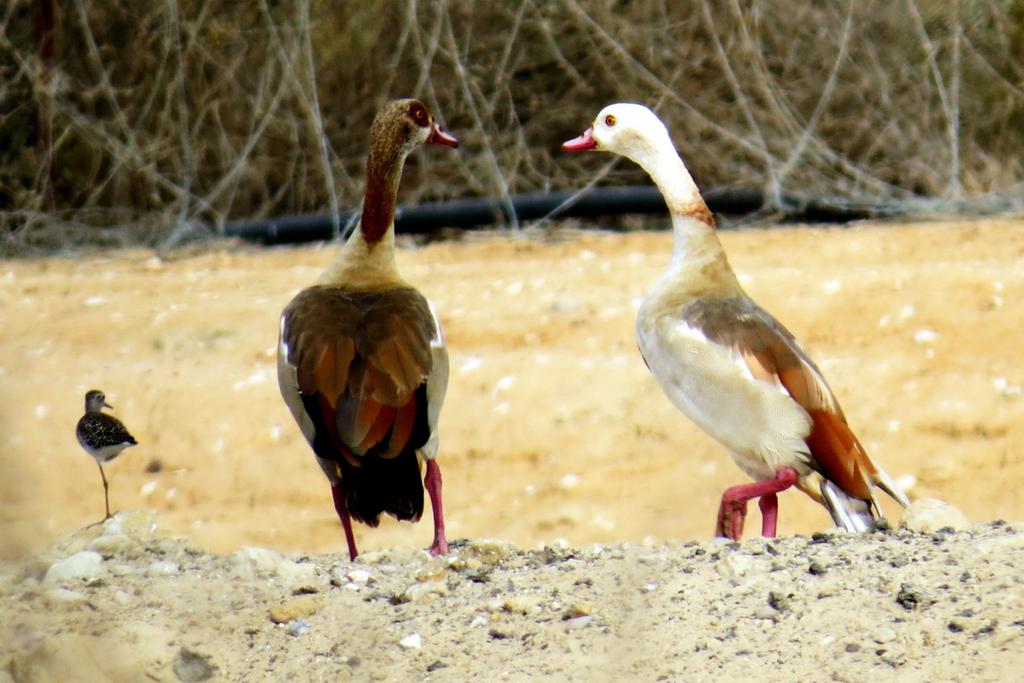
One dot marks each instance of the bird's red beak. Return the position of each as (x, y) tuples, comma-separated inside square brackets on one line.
[(440, 137), (585, 141)]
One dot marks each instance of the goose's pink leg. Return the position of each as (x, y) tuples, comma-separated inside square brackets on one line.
[(733, 511), (769, 505), (346, 522), (432, 482)]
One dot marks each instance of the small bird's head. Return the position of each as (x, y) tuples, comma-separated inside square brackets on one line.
[(632, 130), (96, 401)]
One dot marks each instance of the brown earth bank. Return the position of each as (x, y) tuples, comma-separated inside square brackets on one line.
[(118, 602), (553, 438)]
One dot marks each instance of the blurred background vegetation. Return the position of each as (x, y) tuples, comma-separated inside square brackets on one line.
[(148, 121)]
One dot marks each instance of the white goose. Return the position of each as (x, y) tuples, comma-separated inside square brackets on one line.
[(362, 362), (727, 364)]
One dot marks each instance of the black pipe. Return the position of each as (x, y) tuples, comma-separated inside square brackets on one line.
[(596, 202)]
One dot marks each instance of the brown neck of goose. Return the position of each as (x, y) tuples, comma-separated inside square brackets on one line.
[(383, 171)]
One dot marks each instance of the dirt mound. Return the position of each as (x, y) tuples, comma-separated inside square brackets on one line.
[(120, 602)]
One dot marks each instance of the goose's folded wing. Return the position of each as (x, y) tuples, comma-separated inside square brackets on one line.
[(359, 360), (771, 354)]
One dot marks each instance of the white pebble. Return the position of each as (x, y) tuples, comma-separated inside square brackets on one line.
[(84, 565), (831, 286), (569, 481), (925, 336), (358, 576), (503, 384), (162, 568), (411, 641), (885, 635), (1004, 387), (297, 628), (578, 622)]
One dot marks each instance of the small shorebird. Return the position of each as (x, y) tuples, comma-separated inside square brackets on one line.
[(102, 436), (362, 362), (727, 364)]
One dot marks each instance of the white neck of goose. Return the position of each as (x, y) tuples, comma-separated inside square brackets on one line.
[(692, 225)]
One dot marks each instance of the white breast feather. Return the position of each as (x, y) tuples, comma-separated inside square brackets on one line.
[(757, 421)]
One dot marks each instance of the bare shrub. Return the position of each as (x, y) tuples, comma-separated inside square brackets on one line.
[(168, 116)]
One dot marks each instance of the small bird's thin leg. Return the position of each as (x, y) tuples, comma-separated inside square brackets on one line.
[(733, 510), (346, 522), (106, 495), (432, 482)]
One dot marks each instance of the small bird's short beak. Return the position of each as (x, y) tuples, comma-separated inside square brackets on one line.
[(107, 405), (585, 141), (440, 137)]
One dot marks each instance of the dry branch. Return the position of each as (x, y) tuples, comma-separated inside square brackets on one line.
[(167, 114)]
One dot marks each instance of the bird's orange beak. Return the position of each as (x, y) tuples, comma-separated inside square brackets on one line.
[(585, 141), (440, 137)]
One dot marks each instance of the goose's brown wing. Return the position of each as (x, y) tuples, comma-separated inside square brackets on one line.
[(359, 359), (773, 355)]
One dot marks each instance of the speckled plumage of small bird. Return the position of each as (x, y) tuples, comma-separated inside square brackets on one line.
[(102, 436)]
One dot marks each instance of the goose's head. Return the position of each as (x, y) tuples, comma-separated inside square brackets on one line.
[(632, 130), (402, 125), (95, 401)]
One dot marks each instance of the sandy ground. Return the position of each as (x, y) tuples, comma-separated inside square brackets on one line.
[(122, 604), (553, 431)]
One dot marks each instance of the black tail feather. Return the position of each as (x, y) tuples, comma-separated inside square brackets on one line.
[(378, 485)]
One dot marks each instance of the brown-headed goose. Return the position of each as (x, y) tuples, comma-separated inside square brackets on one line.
[(727, 364), (362, 362)]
